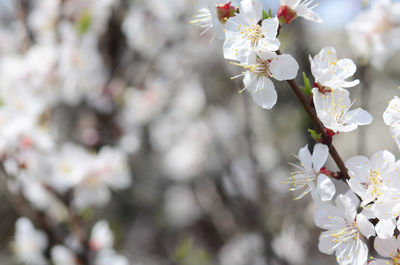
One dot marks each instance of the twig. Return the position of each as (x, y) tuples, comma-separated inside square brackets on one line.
[(318, 125)]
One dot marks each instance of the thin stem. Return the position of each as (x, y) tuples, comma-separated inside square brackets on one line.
[(318, 125)]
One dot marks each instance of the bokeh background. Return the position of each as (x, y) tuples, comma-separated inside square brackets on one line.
[(207, 164)]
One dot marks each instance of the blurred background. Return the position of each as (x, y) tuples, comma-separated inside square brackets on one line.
[(206, 163)]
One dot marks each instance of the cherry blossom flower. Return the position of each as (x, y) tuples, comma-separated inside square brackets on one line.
[(333, 109), (331, 72), (30, 244), (345, 230), (260, 67), (108, 170), (101, 241), (244, 35), (310, 176), (375, 33), (101, 236), (290, 9), (369, 177), (387, 248)]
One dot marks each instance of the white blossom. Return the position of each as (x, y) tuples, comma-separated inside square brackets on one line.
[(369, 177), (30, 244), (244, 35), (309, 177), (345, 231), (302, 8), (260, 67), (333, 109), (331, 72), (375, 33)]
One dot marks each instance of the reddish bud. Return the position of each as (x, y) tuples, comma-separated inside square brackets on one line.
[(286, 15), (224, 12)]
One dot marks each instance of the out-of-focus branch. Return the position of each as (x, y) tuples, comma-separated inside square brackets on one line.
[(364, 98), (22, 14)]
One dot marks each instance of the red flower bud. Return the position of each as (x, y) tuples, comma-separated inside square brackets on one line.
[(286, 15), (224, 12)]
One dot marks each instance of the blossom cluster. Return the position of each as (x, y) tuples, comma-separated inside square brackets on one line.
[(371, 206)]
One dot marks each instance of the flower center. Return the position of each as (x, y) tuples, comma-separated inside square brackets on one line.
[(252, 33), (375, 180), (348, 233), (396, 259), (260, 68)]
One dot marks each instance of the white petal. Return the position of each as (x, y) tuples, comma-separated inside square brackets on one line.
[(365, 226), (359, 117), (234, 46), (265, 95), (385, 228), (346, 204), (380, 262), (308, 14), (270, 27), (251, 10), (326, 216), (305, 158), (284, 67), (361, 253), (392, 114), (326, 243), (319, 156), (326, 188), (382, 159), (385, 247)]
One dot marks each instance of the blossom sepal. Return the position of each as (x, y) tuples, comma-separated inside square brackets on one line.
[(286, 14), (226, 11)]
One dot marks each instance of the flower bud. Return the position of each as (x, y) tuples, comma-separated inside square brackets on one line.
[(286, 15), (224, 12)]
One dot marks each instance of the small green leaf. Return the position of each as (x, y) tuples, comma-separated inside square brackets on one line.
[(316, 136), (84, 22), (267, 15), (307, 85), (264, 14)]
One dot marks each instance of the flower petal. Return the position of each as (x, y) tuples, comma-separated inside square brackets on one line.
[(319, 156), (385, 247), (385, 228), (365, 226), (251, 10), (326, 188), (265, 94), (284, 67)]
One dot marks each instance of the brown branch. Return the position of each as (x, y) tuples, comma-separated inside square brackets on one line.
[(318, 125)]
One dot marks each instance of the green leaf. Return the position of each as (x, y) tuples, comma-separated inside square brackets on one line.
[(84, 22), (307, 85), (265, 15), (316, 136)]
